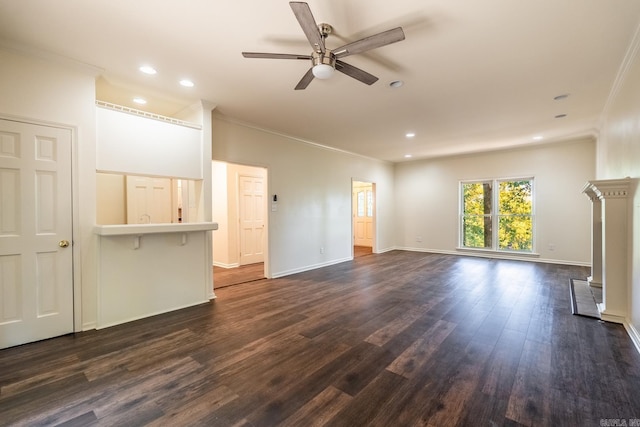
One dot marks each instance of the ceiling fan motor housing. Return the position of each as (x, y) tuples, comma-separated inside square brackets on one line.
[(323, 64)]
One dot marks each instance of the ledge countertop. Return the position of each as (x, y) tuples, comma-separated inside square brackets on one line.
[(138, 229)]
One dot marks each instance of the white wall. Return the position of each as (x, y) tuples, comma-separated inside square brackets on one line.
[(61, 93), (134, 144), (427, 197), (111, 192), (313, 186), (619, 157), (220, 212)]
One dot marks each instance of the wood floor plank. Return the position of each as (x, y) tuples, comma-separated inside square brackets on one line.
[(319, 410), (193, 410), (383, 335), (414, 357), (501, 369), (530, 402), (452, 405), (400, 338), (364, 408)]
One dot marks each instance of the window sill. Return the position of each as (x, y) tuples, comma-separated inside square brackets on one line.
[(506, 254)]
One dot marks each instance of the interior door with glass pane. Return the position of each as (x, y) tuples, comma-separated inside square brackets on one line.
[(363, 199), (36, 274)]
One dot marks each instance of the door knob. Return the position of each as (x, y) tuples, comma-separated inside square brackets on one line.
[(63, 243)]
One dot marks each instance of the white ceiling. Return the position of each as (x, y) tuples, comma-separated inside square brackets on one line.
[(478, 75)]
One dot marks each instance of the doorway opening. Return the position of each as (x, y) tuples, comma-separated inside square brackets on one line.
[(363, 213), (240, 245)]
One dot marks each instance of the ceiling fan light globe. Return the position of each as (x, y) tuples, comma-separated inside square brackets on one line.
[(322, 71)]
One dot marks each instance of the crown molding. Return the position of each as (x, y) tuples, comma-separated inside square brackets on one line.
[(607, 189), (625, 67)]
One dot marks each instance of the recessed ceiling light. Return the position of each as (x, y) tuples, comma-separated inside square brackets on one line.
[(140, 101), (396, 83), (561, 97), (560, 116), (538, 138), (186, 83), (407, 156), (410, 134), (148, 69)]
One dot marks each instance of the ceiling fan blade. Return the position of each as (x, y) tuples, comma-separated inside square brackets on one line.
[(371, 42), (356, 73), (303, 14), (274, 55), (306, 79)]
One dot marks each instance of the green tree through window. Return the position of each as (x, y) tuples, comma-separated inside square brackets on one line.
[(515, 216), (476, 217), (511, 228)]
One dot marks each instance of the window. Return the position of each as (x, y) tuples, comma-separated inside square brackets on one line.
[(499, 220), (365, 204), (360, 204)]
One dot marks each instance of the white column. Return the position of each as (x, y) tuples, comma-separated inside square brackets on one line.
[(612, 195), (207, 190), (596, 237)]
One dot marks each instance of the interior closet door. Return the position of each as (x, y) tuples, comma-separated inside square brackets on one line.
[(252, 219), (36, 246)]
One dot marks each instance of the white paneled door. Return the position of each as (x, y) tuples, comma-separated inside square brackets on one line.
[(36, 279), (363, 208), (252, 219), (148, 200)]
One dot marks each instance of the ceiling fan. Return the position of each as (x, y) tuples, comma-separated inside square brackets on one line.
[(324, 61)]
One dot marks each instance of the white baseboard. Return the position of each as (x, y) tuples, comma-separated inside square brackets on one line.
[(89, 326), (149, 314), (222, 265), (308, 267), (381, 251), (633, 334), (495, 255)]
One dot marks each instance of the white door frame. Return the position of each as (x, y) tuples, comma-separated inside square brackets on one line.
[(235, 228), (267, 220), (374, 242), (76, 244)]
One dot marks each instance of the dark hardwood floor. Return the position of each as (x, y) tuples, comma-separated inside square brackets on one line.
[(223, 277), (359, 251), (392, 339)]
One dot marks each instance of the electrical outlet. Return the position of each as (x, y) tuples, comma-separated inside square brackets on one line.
[(552, 246), (419, 239), (321, 249)]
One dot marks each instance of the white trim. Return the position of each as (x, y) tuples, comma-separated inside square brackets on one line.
[(495, 214), (146, 114), (293, 138), (65, 61), (633, 334), (625, 67), (499, 254), (381, 251), (223, 265), (309, 267), (89, 326), (155, 313), (77, 250), (494, 255)]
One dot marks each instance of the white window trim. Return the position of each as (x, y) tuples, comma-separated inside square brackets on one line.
[(494, 217)]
